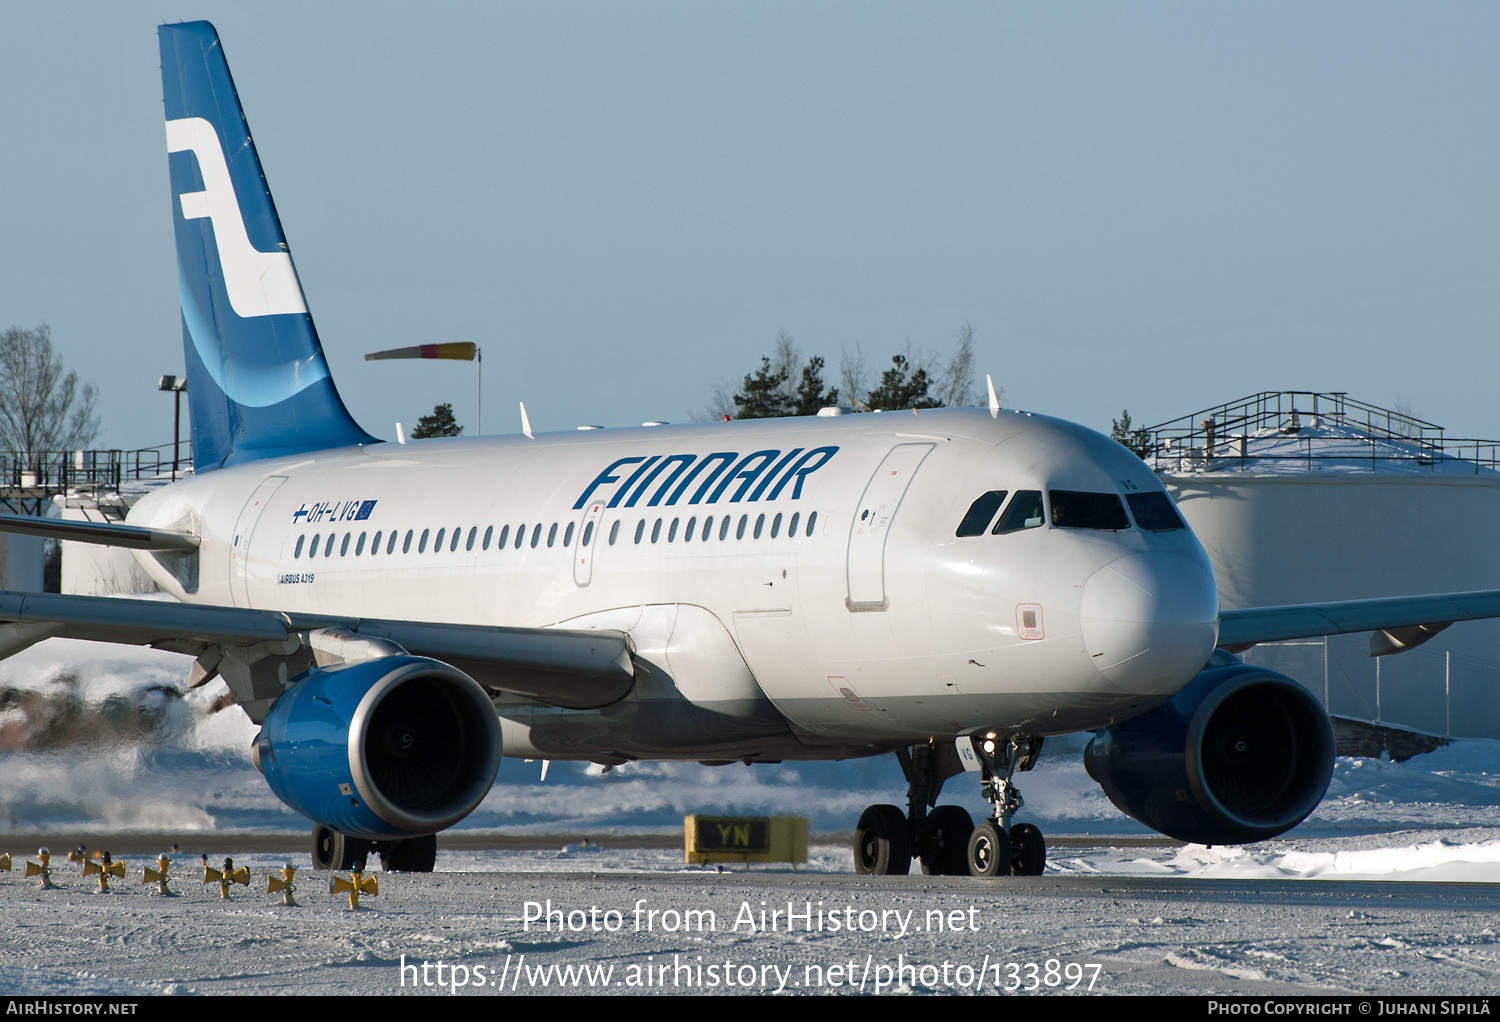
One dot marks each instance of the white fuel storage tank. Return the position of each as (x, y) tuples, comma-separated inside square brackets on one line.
[(1307, 497)]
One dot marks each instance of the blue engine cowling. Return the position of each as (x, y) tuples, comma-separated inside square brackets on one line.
[(385, 748), (1241, 754)]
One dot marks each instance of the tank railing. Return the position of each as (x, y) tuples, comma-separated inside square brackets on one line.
[(1220, 436), (51, 472)]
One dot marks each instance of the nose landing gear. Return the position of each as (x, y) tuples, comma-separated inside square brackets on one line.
[(944, 837), (998, 847)]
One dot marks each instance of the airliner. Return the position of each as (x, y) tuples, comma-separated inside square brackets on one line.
[(949, 586)]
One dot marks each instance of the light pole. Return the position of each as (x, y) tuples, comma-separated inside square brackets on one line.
[(176, 386)]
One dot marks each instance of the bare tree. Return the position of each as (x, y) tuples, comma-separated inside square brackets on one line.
[(720, 404), (854, 375), (42, 407), (953, 384), (788, 361)]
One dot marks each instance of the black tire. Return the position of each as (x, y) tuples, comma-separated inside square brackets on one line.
[(950, 827), (1028, 852), (412, 855), (334, 850), (882, 843), (989, 851)]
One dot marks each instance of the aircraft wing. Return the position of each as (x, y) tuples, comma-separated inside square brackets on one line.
[(1399, 623), (574, 669)]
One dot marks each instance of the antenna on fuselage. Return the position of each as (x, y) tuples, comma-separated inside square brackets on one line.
[(526, 422), (400, 434), (994, 398)]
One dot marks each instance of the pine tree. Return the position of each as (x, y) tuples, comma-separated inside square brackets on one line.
[(902, 387), (439, 423), (763, 394), (811, 397), (1137, 441)]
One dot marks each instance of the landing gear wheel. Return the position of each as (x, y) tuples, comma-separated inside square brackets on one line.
[(412, 855), (950, 827), (989, 851), (1028, 852), (335, 850), (882, 843)]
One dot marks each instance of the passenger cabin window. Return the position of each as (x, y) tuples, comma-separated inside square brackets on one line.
[(980, 514), (300, 541), (812, 520), (1023, 512), (614, 530), (1072, 509), (1154, 512)]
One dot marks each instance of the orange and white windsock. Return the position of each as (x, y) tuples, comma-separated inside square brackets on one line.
[(459, 351)]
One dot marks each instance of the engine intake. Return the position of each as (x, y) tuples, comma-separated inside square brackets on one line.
[(383, 748), (1241, 754)]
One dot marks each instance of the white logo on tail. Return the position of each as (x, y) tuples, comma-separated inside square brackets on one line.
[(259, 283)]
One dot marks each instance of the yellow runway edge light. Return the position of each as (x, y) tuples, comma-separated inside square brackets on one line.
[(356, 884), (283, 883)]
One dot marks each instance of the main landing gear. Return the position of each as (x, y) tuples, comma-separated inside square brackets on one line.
[(335, 850), (944, 838)]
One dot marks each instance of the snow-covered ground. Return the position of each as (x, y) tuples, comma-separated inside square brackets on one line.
[(114, 746)]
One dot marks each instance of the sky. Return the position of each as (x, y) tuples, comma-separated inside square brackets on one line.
[(1158, 207)]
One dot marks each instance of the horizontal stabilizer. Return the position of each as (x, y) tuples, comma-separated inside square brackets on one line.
[(103, 533)]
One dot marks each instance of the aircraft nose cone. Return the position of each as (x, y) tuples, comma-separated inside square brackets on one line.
[(1150, 621)]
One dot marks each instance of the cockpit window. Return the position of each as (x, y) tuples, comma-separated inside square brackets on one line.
[(1072, 509), (1023, 512), (1154, 512), (981, 513)]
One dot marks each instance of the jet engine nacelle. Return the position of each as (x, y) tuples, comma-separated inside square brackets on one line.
[(386, 748), (1241, 754)]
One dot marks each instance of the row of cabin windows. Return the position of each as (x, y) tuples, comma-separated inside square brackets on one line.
[(726, 522), (324, 545), (1071, 509)]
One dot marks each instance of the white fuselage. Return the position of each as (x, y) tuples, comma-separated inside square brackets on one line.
[(867, 627)]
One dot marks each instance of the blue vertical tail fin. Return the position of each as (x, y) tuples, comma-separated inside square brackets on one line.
[(258, 384)]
